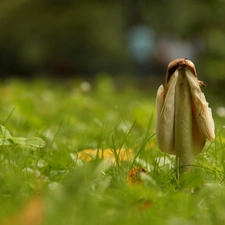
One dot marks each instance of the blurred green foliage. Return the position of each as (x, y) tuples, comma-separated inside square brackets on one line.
[(85, 37), (77, 115)]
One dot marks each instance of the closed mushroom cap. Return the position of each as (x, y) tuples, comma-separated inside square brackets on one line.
[(202, 121)]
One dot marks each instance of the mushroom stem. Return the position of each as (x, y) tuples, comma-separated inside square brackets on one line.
[(183, 122)]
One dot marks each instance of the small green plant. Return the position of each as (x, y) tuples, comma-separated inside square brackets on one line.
[(7, 139)]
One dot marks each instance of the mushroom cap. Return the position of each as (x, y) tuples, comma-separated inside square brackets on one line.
[(202, 121), (179, 63)]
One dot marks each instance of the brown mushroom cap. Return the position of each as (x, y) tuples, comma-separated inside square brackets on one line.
[(181, 62)]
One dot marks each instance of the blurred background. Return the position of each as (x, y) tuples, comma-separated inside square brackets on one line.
[(67, 38)]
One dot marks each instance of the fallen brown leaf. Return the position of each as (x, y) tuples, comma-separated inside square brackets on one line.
[(134, 175), (134, 178)]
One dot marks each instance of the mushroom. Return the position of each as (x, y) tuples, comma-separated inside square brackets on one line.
[(183, 119)]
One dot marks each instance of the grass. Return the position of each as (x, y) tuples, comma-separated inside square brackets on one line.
[(54, 182)]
